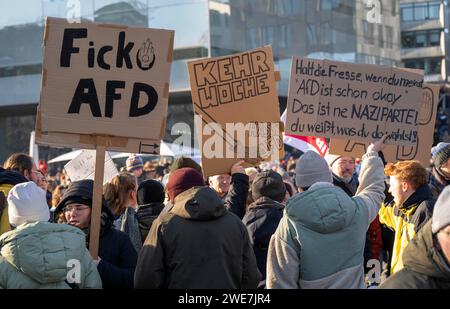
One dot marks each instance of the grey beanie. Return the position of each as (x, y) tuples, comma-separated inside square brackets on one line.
[(441, 212), (311, 168)]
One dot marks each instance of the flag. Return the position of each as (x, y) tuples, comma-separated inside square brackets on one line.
[(305, 143)]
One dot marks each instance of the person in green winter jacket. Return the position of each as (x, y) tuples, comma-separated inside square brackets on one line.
[(319, 242), (37, 254)]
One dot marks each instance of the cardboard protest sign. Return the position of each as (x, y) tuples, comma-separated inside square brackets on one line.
[(354, 101), (421, 151), (101, 79), (83, 167), (103, 87), (236, 106)]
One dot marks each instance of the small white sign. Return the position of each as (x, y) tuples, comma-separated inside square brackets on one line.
[(83, 167)]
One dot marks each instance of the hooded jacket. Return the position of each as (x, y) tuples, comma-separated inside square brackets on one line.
[(8, 179), (118, 256), (319, 242), (41, 255), (262, 220), (406, 220), (425, 267), (145, 215), (197, 244), (374, 241)]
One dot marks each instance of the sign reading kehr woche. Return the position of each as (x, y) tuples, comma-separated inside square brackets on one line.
[(107, 80)]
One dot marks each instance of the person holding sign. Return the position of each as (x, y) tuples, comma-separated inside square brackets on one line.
[(117, 256), (325, 227), (209, 246)]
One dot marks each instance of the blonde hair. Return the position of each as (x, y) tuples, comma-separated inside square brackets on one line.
[(117, 191)]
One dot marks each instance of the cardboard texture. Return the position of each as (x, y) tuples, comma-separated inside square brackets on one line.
[(345, 100), (236, 89), (393, 153), (83, 167), (106, 80)]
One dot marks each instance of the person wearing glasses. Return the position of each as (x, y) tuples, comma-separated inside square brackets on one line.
[(427, 257), (38, 254), (117, 256)]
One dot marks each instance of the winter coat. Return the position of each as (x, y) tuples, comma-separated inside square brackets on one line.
[(319, 242), (262, 220), (128, 223), (425, 267), (197, 244), (8, 179), (374, 241), (117, 254), (406, 220), (145, 215), (41, 255)]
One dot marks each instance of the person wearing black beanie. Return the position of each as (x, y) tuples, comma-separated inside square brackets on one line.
[(264, 214), (150, 197)]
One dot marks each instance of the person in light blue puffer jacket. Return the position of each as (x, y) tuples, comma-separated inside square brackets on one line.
[(319, 242), (37, 254)]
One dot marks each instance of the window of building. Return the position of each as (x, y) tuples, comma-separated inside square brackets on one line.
[(433, 11), (389, 37), (434, 38), (431, 66), (330, 4), (285, 37), (415, 64), (368, 29), (420, 11), (380, 36), (407, 12), (414, 39)]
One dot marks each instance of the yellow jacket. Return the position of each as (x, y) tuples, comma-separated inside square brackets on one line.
[(406, 221), (4, 220), (8, 179)]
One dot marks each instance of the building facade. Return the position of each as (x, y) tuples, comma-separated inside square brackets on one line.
[(425, 42), (362, 31)]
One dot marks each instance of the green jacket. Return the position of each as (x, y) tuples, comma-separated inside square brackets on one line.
[(43, 255), (320, 240), (425, 266)]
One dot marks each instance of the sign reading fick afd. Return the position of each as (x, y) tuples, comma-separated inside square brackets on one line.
[(105, 79)]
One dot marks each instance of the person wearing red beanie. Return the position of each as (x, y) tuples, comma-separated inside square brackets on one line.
[(181, 180)]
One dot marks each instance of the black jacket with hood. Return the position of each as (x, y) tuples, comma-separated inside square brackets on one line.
[(425, 267), (262, 219), (197, 244), (118, 256)]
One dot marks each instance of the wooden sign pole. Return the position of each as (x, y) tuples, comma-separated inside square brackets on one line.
[(97, 198)]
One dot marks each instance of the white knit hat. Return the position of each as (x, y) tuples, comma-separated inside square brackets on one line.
[(27, 203)]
